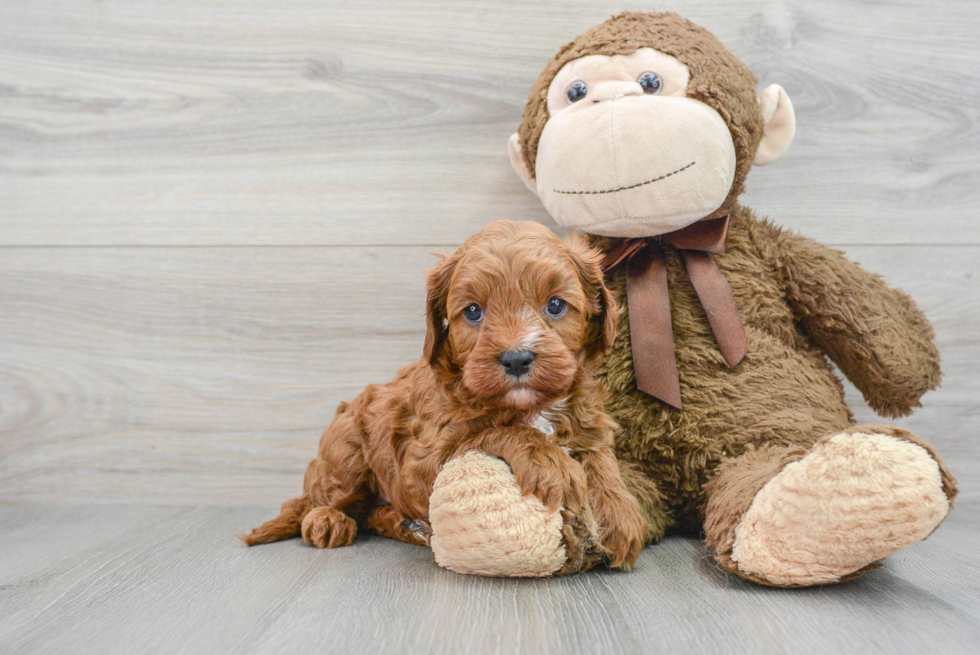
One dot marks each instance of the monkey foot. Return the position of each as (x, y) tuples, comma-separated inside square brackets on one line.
[(483, 525), (853, 500)]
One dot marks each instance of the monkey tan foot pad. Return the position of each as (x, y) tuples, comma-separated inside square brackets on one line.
[(482, 524), (853, 500)]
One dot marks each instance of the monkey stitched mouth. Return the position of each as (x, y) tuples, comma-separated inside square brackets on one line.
[(632, 186)]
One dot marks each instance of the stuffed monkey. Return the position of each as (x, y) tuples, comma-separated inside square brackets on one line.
[(733, 425)]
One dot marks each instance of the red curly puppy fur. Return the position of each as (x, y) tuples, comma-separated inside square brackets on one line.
[(517, 321)]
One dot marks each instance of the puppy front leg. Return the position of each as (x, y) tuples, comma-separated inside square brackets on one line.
[(615, 509), (541, 468)]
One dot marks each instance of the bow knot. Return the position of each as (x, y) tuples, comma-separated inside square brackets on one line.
[(651, 332)]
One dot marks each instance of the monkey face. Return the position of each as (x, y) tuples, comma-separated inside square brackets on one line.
[(626, 153), (624, 150)]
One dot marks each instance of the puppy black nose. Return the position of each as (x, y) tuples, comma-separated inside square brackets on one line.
[(517, 362)]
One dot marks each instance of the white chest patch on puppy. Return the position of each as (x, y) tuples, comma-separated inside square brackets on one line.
[(545, 421), (544, 424)]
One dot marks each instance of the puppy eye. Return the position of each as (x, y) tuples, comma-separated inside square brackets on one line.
[(576, 91), (650, 82), (555, 307), (473, 313)]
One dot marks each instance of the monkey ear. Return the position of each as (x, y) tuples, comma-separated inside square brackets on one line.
[(603, 306), (437, 292), (780, 125), (517, 161)]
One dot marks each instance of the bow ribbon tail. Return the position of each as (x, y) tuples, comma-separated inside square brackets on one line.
[(719, 304), (651, 334)]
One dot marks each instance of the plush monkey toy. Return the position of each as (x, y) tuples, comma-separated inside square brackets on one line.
[(733, 424)]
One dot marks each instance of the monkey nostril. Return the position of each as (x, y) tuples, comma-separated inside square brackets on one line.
[(516, 362)]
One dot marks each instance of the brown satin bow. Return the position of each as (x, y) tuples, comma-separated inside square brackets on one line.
[(651, 334)]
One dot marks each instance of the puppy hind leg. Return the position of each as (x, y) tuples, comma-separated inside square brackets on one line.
[(338, 484), (386, 521), (337, 497), (327, 527)]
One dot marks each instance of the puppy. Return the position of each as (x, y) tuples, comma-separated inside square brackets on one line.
[(517, 321)]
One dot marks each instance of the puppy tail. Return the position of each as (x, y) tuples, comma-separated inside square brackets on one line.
[(285, 526)]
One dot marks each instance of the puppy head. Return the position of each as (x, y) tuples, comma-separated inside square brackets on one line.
[(516, 313)]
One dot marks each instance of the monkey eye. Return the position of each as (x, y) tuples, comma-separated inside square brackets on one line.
[(473, 313), (576, 91), (650, 82), (555, 307)]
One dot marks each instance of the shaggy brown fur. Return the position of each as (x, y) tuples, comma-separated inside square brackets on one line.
[(801, 304), (379, 458)]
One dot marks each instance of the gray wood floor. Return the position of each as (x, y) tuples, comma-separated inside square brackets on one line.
[(125, 579), (214, 223)]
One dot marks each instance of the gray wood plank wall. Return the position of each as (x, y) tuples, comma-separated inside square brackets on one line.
[(215, 217)]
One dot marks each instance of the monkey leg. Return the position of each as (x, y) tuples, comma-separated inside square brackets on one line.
[(808, 515), (386, 521)]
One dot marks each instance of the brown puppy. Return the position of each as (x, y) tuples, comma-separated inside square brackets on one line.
[(517, 321)]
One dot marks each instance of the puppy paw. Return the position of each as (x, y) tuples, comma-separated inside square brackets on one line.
[(418, 530), (326, 527), (553, 477), (582, 551), (623, 534)]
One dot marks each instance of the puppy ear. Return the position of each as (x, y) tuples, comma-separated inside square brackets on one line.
[(603, 309), (437, 290)]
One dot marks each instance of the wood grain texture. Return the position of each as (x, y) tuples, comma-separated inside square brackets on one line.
[(169, 580), (203, 376), (329, 122)]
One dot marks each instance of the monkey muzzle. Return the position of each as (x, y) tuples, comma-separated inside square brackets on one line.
[(634, 165)]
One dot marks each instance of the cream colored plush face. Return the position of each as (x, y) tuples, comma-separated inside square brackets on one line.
[(622, 162)]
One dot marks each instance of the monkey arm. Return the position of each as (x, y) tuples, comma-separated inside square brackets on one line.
[(876, 335)]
